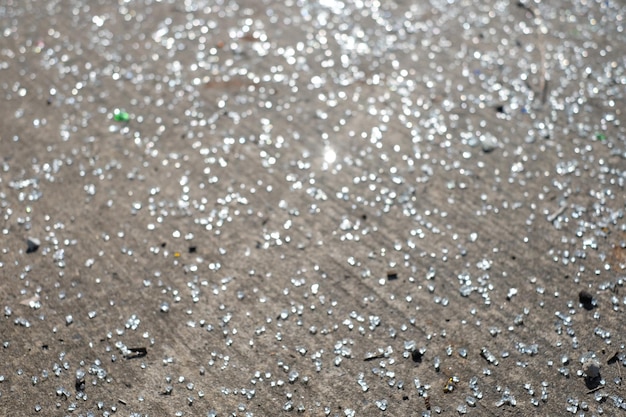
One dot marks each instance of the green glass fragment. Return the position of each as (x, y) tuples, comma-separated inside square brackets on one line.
[(120, 116)]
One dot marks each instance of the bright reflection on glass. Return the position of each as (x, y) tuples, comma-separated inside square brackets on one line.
[(329, 157)]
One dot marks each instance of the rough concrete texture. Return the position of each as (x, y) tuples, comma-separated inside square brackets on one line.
[(345, 208)]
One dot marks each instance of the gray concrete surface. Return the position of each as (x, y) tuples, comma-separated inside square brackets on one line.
[(352, 208)]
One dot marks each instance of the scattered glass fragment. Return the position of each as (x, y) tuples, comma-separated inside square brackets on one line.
[(134, 353), (488, 142), (120, 116), (381, 404), (512, 293), (590, 365), (488, 356)]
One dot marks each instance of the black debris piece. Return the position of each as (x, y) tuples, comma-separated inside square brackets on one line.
[(32, 245), (392, 275), (192, 249), (593, 383), (80, 385), (417, 356), (586, 299), (613, 359), (488, 356)]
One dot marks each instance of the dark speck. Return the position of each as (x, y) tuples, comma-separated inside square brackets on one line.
[(192, 249), (392, 275), (417, 356), (80, 385), (33, 245), (586, 299)]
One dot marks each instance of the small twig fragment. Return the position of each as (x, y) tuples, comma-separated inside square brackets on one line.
[(543, 82), (598, 388), (553, 216)]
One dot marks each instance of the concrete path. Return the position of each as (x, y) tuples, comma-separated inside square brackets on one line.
[(344, 208)]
